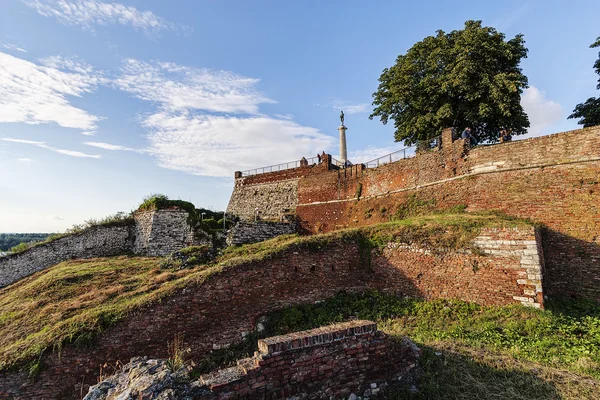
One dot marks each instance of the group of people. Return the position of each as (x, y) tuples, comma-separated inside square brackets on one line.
[(505, 136)]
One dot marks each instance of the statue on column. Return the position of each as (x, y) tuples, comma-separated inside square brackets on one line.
[(342, 118)]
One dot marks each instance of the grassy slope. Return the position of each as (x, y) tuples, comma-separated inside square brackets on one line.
[(77, 299)]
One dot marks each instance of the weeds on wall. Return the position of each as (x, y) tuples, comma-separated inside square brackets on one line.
[(177, 353), (414, 206), (118, 219)]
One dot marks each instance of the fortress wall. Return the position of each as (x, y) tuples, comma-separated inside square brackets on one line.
[(97, 241), (155, 233), (328, 362), (270, 198), (158, 233), (272, 193), (554, 180), (251, 232), (229, 303)]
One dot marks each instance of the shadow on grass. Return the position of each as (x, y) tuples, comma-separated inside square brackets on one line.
[(450, 375), (576, 308)]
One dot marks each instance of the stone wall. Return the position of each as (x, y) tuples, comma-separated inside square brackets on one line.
[(98, 241), (229, 303), (251, 232), (271, 199), (271, 193), (329, 362), (153, 233), (158, 233)]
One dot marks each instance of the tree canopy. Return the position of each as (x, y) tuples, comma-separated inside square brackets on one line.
[(468, 77), (589, 112)]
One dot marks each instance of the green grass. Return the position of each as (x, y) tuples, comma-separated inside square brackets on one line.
[(75, 300), (469, 351)]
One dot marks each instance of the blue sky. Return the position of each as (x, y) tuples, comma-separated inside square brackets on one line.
[(102, 103)]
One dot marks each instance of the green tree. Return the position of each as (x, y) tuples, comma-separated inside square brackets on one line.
[(589, 112), (468, 77)]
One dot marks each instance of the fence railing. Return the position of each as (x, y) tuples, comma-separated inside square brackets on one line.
[(280, 167), (404, 153), (401, 154)]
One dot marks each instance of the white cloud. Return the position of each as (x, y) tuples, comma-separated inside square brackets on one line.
[(25, 160), (371, 153), (349, 108), (88, 13), (543, 113), (218, 145), (12, 47), (36, 94), (108, 146), (209, 123), (176, 87), (43, 145)]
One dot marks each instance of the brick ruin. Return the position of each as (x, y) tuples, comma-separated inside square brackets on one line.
[(336, 361), (553, 180), (329, 362)]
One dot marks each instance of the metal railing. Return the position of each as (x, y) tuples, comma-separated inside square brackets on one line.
[(407, 152), (337, 163), (280, 167), (401, 154)]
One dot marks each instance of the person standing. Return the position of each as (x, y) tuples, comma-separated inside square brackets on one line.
[(468, 135)]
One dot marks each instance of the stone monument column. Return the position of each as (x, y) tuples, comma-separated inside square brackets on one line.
[(343, 148)]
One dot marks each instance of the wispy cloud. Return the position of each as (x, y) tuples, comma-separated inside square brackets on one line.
[(25, 160), (12, 47), (176, 87), (209, 123), (346, 106), (87, 14), (543, 113), (371, 153), (217, 145), (37, 93), (43, 145), (108, 146), (506, 21)]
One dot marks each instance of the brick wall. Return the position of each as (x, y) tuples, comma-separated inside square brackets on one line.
[(329, 362), (553, 179), (229, 303)]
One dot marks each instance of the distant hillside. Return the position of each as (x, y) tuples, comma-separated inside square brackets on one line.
[(9, 240)]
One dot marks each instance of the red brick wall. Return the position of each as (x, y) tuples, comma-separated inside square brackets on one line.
[(228, 303), (328, 362), (554, 180)]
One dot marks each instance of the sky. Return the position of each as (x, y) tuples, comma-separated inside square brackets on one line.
[(103, 103)]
